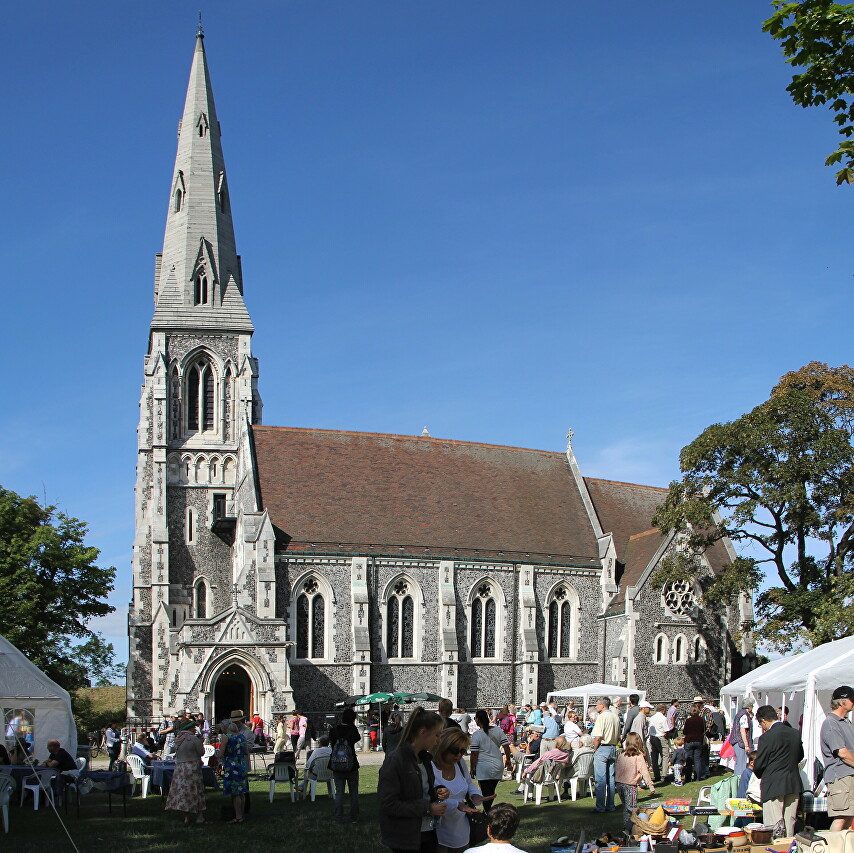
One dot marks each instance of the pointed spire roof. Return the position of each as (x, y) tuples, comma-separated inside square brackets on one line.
[(200, 282)]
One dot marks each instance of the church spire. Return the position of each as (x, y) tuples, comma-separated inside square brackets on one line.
[(198, 282)]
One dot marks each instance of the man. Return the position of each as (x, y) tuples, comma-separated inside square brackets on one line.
[(837, 751), (347, 732), (741, 735), (140, 749), (551, 730), (445, 709), (323, 749), (640, 724), (672, 716), (391, 734), (113, 742), (204, 728), (632, 712), (718, 722), (776, 765), (659, 745), (59, 758), (606, 734), (464, 720)]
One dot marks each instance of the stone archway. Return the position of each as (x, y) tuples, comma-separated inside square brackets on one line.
[(232, 691)]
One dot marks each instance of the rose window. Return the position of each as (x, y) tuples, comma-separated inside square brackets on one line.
[(679, 598)]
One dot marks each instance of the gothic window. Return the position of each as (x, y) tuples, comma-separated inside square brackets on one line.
[(200, 397), (179, 199), (191, 521), (227, 403), (229, 469), (483, 620), (215, 470), (202, 125), (174, 403), (561, 619), (661, 649), (680, 650), (200, 289), (400, 619), (222, 193), (310, 620), (678, 597), (201, 599), (700, 649)]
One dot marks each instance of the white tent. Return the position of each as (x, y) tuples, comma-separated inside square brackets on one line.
[(594, 691), (32, 704), (809, 679)]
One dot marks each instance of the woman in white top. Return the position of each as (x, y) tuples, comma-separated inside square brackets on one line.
[(571, 729), (486, 763), (449, 766)]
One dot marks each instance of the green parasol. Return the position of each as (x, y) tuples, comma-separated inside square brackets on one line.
[(373, 698), (418, 697)]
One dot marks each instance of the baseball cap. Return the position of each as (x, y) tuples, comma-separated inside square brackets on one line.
[(843, 693), (698, 699), (644, 705)]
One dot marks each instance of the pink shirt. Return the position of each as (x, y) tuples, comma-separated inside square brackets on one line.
[(559, 755), (631, 769)]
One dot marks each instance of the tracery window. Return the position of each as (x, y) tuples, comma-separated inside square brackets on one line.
[(200, 397), (679, 598), (311, 620), (200, 289), (175, 427), (560, 625), (400, 621), (483, 621)]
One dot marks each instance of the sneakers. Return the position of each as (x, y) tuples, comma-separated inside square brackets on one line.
[(678, 784)]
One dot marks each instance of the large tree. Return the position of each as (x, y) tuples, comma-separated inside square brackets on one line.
[(778, 482), (50, 587), (818, 36)]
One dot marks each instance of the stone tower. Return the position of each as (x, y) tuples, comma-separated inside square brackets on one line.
[(198, 398)]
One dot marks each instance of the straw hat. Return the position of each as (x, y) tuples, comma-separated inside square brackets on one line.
[(237, 715)]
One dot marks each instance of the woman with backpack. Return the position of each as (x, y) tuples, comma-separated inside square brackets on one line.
[(410, 801), (486, 746), (344, 764)]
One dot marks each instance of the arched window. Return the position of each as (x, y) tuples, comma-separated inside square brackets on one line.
[(200, 289), (700, 649), (484, 620), (215, 470), (311, 620), (179, 199), (561, 620), (222, 193), (400, 621), (229, 469), (201, 599), (190, 526), (661, 649), (680, 650), (175, 428), (200, 397)]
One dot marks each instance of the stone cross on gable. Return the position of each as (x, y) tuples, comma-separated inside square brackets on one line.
[(234, 594), (569, 434)]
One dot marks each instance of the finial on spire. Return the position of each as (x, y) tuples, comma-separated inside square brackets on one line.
[(569, 434), (425, 433), (200, 33)]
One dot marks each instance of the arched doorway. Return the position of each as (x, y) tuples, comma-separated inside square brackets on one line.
[(233, 691)]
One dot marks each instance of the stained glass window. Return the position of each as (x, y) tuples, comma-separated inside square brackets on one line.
[(393, 632), (302, 626), (565, 626), (559, 629), (489, 629), (476, 628), (554, 619), (317, 626), (407, 627)]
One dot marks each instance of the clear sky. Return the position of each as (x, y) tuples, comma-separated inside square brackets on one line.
[(496, 219)]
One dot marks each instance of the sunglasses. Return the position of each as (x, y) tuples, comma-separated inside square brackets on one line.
[(457, 750)]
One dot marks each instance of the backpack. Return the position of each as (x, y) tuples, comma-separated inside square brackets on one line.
[(343, 758)]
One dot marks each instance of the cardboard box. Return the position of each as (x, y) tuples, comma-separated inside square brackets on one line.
[(781, 845)]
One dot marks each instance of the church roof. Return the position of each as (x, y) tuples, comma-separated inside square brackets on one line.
[(353, 492)]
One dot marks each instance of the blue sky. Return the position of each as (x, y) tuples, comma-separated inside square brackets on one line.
[(495, 219)]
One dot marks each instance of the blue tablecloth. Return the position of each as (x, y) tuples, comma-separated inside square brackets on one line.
[(812, 803), (161, 774), (107, 780)]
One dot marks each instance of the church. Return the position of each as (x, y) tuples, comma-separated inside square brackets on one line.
[(279, 567)]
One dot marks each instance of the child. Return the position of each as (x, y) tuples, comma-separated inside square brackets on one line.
[(678, 760), (630, 769), (748, 787), (502, 826)]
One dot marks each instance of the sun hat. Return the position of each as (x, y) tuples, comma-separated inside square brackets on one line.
[(237, 715)]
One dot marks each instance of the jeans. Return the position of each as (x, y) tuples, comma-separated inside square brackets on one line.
[(694, 749), (352, 781), (740, 759), (604, 760), (113, 752)]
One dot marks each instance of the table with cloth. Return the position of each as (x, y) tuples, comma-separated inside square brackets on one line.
[(107, 781), (162, 771), (22, 772)]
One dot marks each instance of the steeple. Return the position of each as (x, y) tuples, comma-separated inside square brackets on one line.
[(198, 282)]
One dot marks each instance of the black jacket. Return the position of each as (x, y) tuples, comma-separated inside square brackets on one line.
[(780, 750), (401, 797)]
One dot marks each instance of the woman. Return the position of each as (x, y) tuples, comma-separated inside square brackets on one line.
[(486, 745), (187, 790), (374, 730), (571, 729), (232, 754), (258, 729), (281, 737), (507, 724), (296, 729), (409, 800), (694, 733), (452, 833)]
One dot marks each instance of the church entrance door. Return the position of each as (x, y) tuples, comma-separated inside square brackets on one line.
[(233, 692)]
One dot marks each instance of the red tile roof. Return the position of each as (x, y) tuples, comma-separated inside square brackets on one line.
[(356, 492)]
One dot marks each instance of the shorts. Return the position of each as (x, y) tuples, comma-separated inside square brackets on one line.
[(840, 797)]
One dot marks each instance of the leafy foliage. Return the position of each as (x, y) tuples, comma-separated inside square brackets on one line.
[(818, 35), (781, 480), (50, 588)]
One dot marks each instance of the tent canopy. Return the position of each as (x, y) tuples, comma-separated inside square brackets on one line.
[(594, 691), (35, 708), (823, 668), (743, 686)]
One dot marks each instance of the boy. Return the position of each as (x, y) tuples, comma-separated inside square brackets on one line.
[(503, 821), (678, 760)]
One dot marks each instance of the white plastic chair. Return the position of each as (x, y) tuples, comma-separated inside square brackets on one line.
[(284, 773), (582, 771), (7, 788), (320, 769), (704, 797), (40, 780), (137, 769), (552, 776), (209, 753), (523, 765), (70, 778)]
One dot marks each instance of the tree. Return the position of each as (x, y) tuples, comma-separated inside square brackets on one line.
[(779, 479), (50, 588), (818, 35)]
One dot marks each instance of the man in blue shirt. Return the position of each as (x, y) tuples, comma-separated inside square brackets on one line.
[(551, 731)]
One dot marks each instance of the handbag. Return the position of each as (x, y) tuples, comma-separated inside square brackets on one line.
[(477, 821)]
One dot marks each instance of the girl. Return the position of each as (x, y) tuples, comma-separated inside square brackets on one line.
[(630, 769), (486, 745), (409, 800)]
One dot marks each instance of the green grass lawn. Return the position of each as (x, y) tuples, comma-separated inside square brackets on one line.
[(303, 826)]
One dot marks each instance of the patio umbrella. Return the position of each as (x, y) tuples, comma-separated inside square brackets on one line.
[(375, 698), (419, 697)]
